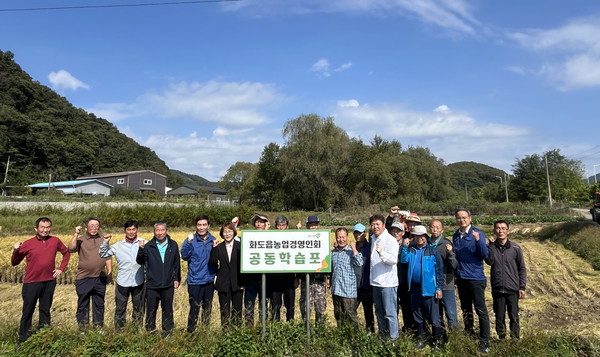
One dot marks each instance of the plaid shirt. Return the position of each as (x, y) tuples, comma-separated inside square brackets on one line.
[(343, 278)]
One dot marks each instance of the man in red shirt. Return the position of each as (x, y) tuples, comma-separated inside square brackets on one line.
[(39, 282)]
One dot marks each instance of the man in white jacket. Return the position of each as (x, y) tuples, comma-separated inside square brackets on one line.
[(384, 277)]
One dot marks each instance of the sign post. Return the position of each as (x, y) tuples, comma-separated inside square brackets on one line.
[(286, 251)]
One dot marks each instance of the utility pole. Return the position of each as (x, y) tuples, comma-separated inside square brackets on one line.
[(548, 179), (466, 193), (506, 185), (6, 172)]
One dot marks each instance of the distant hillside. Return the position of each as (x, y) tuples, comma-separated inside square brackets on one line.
[(189, 179), (45, 135), (472, 174)]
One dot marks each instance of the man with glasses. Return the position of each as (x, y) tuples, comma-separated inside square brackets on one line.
[(508, 278), (471, 250)]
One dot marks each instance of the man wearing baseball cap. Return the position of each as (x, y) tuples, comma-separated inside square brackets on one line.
[(363, 282)]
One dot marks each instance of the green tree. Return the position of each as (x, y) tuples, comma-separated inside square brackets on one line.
[(314, 161), (238, 180), (530, 181), (269, 193)]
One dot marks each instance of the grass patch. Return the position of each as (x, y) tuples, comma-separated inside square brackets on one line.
[(580, 237), (283, 339)]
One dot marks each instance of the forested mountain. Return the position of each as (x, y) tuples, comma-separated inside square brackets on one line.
[(473, 175), (44, 134), (189, 179)]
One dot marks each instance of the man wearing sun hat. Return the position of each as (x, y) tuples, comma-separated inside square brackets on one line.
[(404, 300), (425, 282)]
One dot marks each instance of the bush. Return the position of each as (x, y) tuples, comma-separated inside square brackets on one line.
[(580, 237)]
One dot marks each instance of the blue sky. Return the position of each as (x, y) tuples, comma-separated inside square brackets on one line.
[(206, 85)]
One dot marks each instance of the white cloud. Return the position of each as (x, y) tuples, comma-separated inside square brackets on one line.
[(517, 70), (229, 103), (399, 122), (210, 155), (452, 136), (64, 80), (352, 103), (571, 53), (442, 109), (344, 67), (454, 15), (322, 67), (113, 112)]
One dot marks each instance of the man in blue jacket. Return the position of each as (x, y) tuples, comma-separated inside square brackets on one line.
[(201, 275), (160, 258), (471, 250), (425, 279)]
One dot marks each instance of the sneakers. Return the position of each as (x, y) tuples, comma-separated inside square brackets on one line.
[(420, 345), (484, 348)]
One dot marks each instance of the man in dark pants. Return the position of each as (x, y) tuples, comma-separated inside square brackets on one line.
[(364, 293), (130, 274), (448, 302), (508, 278), (404, 294), (160, 257), (252, 282), (40, 273), (91, 279), (471, 250), (201, 274), (281, 288)]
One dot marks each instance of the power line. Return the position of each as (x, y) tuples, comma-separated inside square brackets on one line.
[(115, 5)]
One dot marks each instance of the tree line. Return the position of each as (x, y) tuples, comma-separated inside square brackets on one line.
[(319, 166)]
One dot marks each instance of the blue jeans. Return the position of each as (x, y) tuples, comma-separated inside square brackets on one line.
[(448, 308), (386, 311)]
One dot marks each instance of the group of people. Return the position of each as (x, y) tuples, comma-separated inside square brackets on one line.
[(417, 274), (395, 266)]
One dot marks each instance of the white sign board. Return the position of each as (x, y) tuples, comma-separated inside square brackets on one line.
[(286, 251)]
